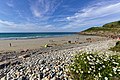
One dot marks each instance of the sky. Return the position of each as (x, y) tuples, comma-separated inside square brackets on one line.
[(56, 15)]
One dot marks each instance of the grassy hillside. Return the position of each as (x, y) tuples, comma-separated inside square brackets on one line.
[(108, 29), (112, 25)]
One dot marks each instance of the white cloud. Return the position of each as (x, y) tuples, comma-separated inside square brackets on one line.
[(10, 3), (22, 27), (7, 23), (94, 15), (36, 12), (7, 26), (42, 8), (96, 12)]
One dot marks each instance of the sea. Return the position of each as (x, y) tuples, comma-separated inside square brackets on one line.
[(33, 35)]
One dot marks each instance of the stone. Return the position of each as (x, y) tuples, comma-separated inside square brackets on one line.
[(4, 64), (45, 78), (41, 75), (26, 56), (54, 78), (43, 62), (52, 74), (62, 77), (47, 69), (46, 74), (17, 74), (46, 45), (69, 42), (3, 78), (20, 78), (41, 68), (44, 71)]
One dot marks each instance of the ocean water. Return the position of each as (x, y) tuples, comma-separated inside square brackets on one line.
[(4, 36)]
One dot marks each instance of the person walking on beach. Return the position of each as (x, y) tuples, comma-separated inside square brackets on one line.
[(10, 44)]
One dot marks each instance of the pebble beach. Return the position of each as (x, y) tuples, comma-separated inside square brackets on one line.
[(48, 63)]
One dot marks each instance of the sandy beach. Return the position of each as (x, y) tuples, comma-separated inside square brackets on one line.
[(17, 45), (45, 63)]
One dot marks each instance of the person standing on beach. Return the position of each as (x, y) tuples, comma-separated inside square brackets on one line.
[(10, 44)]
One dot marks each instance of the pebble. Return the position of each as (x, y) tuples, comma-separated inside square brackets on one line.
[(3, 78), (47, 66)]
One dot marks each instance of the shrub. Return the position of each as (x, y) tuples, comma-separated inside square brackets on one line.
[(91, 66), (116, 47), (118, 43)]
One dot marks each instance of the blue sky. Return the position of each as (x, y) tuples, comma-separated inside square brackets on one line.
[(56, 15)]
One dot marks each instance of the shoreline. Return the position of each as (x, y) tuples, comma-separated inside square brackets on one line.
[(33, 35), (18, 45), (27, 38), (49, 61)]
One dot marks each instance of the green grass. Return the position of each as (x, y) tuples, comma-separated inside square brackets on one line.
[(95, 29), (94, 66), (113, 27), (113, 24), (116, 47)]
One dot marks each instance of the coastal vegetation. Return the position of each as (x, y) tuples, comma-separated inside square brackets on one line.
[(116, 47), (95, 66), (108, 29)]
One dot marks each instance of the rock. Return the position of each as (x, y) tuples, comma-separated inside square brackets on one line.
[(47, 69), (20, 78), (17, 74), (3, 78), (45, 78), (40, 75), (46, 74), (15, 62), (54, 78), (61, 72), (22, 51), (53, 70), (46, 45), (62, 77), (49, 77), (43, 62), (4, 64), (44, 71), (26, 56), (41, 69), (69, 42), (52, 74)]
